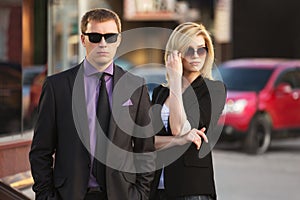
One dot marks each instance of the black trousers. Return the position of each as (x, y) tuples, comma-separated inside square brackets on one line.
[(162, 195), (95, 194)]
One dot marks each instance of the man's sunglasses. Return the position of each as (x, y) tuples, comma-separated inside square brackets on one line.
[(200, 51), (97, 37)]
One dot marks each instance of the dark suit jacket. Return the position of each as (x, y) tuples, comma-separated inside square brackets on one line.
[(190, 175), (59, 156)]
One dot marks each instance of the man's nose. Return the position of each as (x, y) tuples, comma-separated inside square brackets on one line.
[(102, 42)]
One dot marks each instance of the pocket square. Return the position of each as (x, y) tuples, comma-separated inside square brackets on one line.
[(127, 103)]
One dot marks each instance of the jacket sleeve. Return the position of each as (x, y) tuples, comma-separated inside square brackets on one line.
[(43, 144), (144, 147), (214, 102), (217, 92)]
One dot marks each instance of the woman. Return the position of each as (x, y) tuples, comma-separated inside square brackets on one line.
[(191, 105)]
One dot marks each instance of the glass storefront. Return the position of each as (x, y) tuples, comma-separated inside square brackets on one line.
[(37, 38), (63, 36), (40, 38), (10, 66)]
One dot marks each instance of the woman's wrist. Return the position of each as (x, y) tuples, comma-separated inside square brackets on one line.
[(175, 85), (181, 140)]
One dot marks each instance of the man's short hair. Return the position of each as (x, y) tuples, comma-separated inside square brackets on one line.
[(100, 15)]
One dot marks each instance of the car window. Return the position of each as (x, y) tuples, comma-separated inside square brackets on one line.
[(245, 79), (30, 73), (153, 76), (297, 79), (288, 77)]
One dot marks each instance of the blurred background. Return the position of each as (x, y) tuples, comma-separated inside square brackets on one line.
[(41, 37)]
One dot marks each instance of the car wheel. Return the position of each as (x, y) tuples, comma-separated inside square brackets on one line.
[(259, 135)]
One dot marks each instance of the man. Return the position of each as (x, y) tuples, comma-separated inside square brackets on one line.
[(67, 127)]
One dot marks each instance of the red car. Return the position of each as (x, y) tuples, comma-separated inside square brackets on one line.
[(35, 93), (263, 101)]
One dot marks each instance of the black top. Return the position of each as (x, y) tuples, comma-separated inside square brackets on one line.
[(188, 175)]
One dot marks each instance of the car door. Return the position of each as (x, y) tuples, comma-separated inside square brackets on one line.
[(296, 97), (287, 103)]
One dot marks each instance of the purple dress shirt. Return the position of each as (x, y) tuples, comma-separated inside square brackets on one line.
[(91, 86)]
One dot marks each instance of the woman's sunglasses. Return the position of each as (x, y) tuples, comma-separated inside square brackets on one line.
[(97, 37), (200, 51)]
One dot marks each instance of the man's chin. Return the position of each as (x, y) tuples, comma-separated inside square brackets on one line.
[(102, 62)]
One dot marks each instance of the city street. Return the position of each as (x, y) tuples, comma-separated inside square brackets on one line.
[(274, 175), (252, 46)]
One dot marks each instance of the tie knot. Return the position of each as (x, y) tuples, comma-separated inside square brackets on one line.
[(102, 78)]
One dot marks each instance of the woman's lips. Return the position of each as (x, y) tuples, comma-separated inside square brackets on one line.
[(195, 63)]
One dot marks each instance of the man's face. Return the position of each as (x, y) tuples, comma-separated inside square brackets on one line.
[(100, 54)]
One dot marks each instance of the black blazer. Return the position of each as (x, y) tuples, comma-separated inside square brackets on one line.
[(190, 175), (62, 130)]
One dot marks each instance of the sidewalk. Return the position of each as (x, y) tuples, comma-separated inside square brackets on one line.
[(22, 182), (28, 192)]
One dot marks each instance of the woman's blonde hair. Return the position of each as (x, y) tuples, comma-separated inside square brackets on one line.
[(181, 38)]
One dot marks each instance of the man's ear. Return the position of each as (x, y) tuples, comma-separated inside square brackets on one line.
[(119, 40), (82, 38)]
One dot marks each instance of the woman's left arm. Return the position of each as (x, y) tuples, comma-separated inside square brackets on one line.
[(178, 119)]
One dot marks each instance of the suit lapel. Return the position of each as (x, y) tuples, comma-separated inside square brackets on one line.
[(118, 73)]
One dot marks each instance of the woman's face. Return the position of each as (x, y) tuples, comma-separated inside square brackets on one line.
[(194, 57)]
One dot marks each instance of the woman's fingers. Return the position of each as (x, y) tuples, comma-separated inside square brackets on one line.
[(194, 138), (197, 136), (174, 59), (202, 134), (197, 142)]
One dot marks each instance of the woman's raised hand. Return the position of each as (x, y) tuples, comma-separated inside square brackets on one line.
[(174, 65)]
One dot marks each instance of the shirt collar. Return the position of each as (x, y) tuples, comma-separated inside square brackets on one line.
[(89, 70)]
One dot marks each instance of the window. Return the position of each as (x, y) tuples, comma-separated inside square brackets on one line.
[(288, 77)]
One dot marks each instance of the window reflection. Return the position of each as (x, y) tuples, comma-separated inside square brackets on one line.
[(10, 67)]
